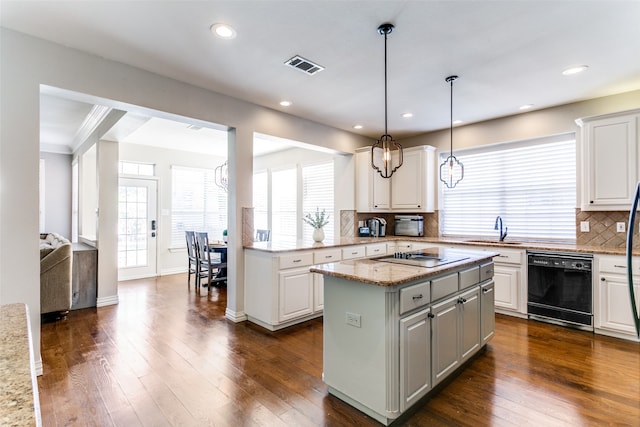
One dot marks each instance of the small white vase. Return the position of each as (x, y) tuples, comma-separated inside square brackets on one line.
[(318, 234)]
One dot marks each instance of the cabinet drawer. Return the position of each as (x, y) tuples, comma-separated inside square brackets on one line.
[(469, 277), (486, 271), (507, 256), (444, 286), (377, 249), (298, 259), (618, 265), (402, 247), (353, 252), (414, 296), (328, 255)]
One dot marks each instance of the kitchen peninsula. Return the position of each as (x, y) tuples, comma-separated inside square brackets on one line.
[(395, 327)]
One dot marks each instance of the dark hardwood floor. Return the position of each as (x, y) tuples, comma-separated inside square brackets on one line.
[(165, 356)]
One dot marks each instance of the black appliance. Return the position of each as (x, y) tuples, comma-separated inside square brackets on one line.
[(560, 288)]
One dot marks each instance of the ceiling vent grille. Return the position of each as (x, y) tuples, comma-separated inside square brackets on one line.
[(304, 65)]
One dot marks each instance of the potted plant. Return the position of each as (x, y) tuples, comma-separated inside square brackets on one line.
[(317, 220)]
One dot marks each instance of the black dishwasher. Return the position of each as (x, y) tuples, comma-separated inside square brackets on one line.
[(560, 288)]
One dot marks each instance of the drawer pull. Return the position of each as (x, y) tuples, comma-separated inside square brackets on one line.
[(354, 253), (328, 256), (485, 290), (431, 315), (461, 300), (620, 266), (489, 272), (297, 260), (417, 297)]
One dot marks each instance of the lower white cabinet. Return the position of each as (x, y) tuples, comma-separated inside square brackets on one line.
[(415, 357), (612, 308), (507, 286), (487, 316), (295, 292), (456, 332)]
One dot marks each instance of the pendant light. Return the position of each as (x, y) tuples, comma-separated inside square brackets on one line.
[(451, 170), (386, 143), (221, 176)]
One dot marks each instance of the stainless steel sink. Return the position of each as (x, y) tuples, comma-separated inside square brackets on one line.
[(495, 242)]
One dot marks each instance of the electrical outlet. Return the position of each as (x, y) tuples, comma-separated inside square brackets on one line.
[(353, 319), (584, 226), (620, 227)]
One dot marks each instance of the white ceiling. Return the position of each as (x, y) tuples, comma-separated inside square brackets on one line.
[(507, 53)]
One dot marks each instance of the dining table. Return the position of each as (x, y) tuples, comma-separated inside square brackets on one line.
[(220, 247)]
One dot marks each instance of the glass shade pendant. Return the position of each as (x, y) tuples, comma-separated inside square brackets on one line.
[(451, 170), (383, 149), (221, 176)]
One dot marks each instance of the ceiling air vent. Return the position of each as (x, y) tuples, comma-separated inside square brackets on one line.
[(304, 65)]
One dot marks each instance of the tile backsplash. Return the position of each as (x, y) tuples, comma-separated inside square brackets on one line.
[(602, 228)]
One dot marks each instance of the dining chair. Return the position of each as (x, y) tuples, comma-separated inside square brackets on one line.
[(263, 235), (206, 264), (192, 255)]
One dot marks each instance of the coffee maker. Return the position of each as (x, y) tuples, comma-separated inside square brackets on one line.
[(377, 227)]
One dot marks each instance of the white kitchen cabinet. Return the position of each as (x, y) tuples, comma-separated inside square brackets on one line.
[(295, 290), (487, 307), (410, 189), (612, 308), (323, 256), (610, 160), (510, 295), (415, 358), (376, 249), (455, 332)]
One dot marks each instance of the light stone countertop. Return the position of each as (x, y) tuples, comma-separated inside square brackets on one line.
[(18, 399), (288, 246), (390, 274)]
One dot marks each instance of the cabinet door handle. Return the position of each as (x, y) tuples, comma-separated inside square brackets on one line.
[(417, 297), (431, 315), (602, 279), (485, 290), (461, 300)]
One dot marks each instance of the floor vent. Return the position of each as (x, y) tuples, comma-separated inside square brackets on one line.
[(304, 65)]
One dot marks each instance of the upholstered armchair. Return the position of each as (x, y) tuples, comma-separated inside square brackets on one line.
[(55, 273)]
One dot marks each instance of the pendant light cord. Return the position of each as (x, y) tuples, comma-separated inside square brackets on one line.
[(385, 82)]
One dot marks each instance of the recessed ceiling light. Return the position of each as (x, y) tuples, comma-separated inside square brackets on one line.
[(285, 103), (407, 115), (223, 31), (526, 106), (357, 126), (457, 122), (574, 70)]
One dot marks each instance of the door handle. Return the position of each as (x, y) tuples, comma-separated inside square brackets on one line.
[(153, 224)]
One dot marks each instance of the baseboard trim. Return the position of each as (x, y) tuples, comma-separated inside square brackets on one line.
[(235, 317), (170, 271), (104, 301)]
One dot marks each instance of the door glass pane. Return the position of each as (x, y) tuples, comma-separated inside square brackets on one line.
[(132, 226)]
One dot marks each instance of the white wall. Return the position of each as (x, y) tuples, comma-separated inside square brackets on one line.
[(57, 193), (27, 62)]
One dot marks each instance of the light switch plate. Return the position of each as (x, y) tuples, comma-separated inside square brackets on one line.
[(620, 227), (584, 226)]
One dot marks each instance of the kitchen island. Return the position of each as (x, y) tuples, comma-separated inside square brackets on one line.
[(393, 330)]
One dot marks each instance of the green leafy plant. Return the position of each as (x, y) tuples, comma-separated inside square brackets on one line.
[(317, 219)]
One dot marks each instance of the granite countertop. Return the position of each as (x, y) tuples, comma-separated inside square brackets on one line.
[(380, 273), (18, 389), (288, 246)]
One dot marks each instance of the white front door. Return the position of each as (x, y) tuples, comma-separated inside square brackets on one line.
[(137, 228)]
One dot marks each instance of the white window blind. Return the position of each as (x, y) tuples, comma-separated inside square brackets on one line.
[(197, 204), (530, 184), (284, 190), (317, 193), (260, 201)]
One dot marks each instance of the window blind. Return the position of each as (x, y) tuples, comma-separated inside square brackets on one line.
[(284, 190), (317, 193), (530, 184), (197, 204), (260, 201)]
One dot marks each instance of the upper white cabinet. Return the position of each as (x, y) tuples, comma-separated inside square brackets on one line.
[(610, 159), (410, 189)]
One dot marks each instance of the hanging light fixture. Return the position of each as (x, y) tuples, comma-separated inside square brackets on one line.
[(221, 176), (386, 143), (451, 170)]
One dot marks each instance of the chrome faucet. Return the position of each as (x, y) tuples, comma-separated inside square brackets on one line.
[(502, 235)]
